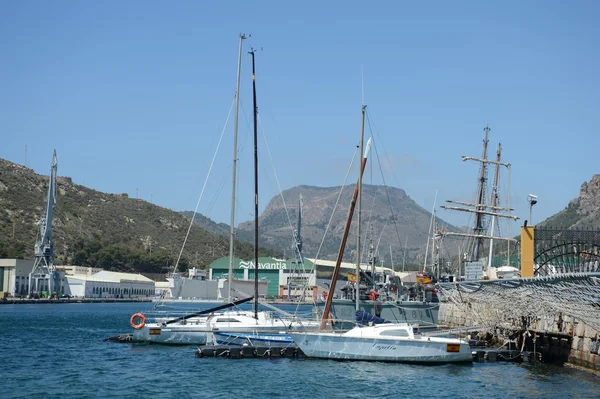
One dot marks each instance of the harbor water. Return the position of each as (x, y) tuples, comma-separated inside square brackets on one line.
[(58, 351)]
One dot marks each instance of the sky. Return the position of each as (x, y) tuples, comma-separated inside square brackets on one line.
[(134, 96)]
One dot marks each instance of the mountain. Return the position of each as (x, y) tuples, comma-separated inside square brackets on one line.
[(91, 228), (389, 216), (219, 229), (581, 212)]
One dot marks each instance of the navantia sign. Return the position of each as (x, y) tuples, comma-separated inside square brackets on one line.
[(268, 265)]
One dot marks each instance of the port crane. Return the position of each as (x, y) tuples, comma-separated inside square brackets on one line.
[(43, 275)]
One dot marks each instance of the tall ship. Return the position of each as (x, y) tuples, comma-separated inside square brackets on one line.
[(488, 213)]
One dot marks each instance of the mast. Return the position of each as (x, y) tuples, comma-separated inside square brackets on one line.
[(494, 203), (297, 248), (43, 267), (362, 137), (480, 208), (233, 185), (255, 187), (338, 262), (478, 245), (429, 234), (403, 255)]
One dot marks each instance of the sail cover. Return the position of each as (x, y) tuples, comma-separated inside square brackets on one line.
[(364, 318)]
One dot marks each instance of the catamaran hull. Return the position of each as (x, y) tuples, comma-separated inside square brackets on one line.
[(339, 347)]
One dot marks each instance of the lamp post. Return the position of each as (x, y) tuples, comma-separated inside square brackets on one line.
[(532, 199)]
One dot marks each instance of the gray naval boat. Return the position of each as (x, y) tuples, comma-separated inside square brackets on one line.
[(417, 305)]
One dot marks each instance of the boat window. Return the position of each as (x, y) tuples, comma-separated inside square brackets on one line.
[(395, 333), (227, 320)]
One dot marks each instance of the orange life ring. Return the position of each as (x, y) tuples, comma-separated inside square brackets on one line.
[(136, 316)]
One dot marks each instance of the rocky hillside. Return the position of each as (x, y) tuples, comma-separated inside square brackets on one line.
[(99, 229), (581, 212), (389, 216)]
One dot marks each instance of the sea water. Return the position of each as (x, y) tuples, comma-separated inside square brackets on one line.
[(57, 351)]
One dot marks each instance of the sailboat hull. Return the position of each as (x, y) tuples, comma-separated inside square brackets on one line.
[(175, 334), (199, 330), (372, 347), (277, 340)]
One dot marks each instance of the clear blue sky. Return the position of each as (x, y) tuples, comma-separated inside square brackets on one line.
[(133, 95)]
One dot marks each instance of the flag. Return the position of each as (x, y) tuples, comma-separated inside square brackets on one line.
[(351, 277)]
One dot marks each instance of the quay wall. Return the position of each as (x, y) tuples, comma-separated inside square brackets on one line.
[(547, 334)]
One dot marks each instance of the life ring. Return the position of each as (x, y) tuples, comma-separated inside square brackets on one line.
[(136, 316)]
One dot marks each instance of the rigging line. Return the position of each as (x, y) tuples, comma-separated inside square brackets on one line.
[(301, 259), (337, 202), (279, 187), (386, 188), (203, 188), (370, 221), (373, 131)]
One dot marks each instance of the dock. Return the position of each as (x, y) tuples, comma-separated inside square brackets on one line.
[(26, 301)]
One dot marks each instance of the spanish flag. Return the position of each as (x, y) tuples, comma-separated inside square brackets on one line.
[(423, 278), (351, 277)]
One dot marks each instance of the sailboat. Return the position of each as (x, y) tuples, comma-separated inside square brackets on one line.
[(234, 326), (380, 340), (395, 305)]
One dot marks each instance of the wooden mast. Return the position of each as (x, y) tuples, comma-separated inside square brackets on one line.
[(338, 262)]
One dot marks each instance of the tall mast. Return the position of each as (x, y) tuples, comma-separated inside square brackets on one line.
[(338, 262), (480, 208), (43, 267), (403, 255), (495, 203), (362, 137), (255, 188), (478, 245), (233, 185)]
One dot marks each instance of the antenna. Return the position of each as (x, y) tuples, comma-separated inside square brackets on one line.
[(362, 85)]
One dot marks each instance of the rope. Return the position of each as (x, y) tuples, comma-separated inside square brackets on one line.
[(336, 203), (498, 304)]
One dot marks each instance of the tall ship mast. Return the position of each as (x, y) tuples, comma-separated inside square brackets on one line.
[(481, 208), (44, 276)]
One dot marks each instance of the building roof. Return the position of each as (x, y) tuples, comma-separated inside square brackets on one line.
[(113, 277)]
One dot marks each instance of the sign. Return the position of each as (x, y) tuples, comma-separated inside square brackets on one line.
[(274, 265), (351, 277), (473, 270)]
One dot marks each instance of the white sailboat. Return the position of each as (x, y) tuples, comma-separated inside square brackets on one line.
[(383, 342), (234, 326), (393, 342)]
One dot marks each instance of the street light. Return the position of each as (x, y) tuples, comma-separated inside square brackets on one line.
[(532, 199)]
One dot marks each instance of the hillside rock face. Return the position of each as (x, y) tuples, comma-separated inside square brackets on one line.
[(582, 212), (83, 215), (589, 197), (389, 216)]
